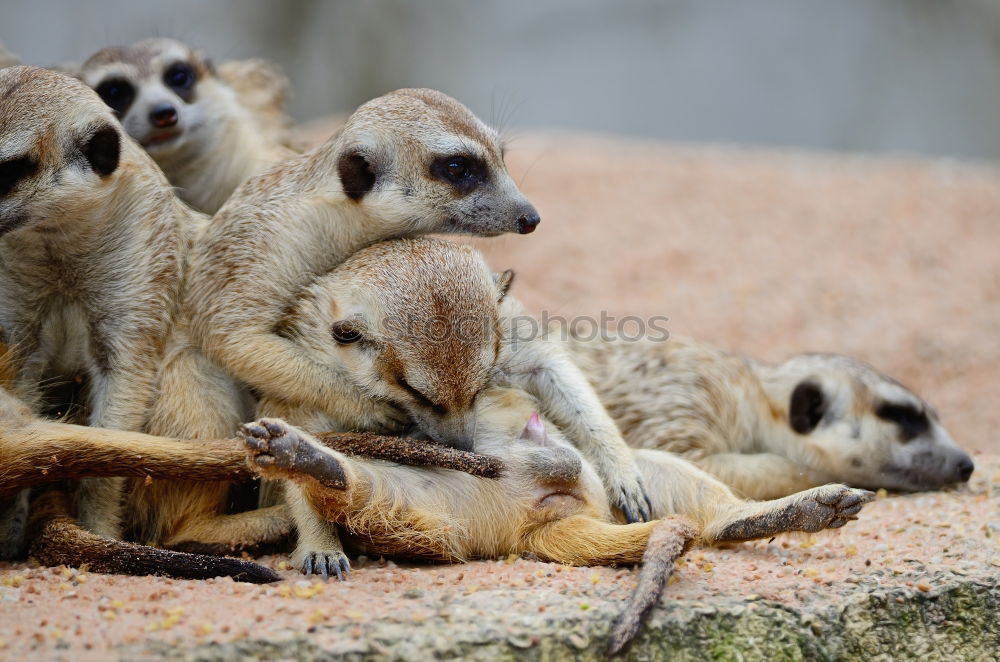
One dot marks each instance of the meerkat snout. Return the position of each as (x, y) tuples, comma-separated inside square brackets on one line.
[(528, 221), (163, 116), (153, 87)]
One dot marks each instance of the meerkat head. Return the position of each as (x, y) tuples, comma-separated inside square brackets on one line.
[(60, 147), (161, 90), (414, 323), (418, 157), (866, 425)]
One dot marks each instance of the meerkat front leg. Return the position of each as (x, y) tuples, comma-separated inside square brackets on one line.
[(120, 399), (761, 475), (545, 371)]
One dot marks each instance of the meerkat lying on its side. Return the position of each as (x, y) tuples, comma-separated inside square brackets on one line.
[(419, 324), (208, 128), (771, 430)]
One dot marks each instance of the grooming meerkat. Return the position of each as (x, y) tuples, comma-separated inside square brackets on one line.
[(208, 128), (771, 430), (374, 321), (411, 162)]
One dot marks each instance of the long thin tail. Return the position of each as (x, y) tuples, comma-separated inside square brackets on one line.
[(56, 539), (669, 539)]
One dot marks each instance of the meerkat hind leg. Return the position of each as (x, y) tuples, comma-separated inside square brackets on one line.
[(278, 449), (825, 507), (676, 486)]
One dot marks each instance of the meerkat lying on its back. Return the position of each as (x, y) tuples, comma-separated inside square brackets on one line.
[(208, 128), (420, 324), (770, 430)]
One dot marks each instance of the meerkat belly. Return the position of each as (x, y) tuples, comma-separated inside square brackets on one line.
[(64, 345)]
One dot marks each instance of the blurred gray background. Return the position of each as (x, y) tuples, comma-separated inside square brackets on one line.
[(917, 76)]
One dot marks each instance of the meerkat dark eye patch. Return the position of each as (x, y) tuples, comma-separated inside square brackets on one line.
[(912, 422), (118, 93), (102, 150), (345, 332), (180, 77), (357, 176), (15, 170), (465, 173), (806, 407)]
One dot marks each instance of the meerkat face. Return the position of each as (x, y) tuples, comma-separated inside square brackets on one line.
[(160, 90), (419, 158), (870, 427), (59, 148), (414, 323)]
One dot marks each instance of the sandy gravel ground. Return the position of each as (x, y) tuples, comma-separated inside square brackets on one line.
[(891, 260), (918, 541)]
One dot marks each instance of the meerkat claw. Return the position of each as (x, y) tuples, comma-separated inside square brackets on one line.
[(325, 563)]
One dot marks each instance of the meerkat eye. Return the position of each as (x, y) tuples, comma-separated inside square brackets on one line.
[(463, 172), (911, 421), (117, 93), (345, 332), (179, 76), (14, 170)]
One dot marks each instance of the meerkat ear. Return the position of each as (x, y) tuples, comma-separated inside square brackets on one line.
[(103, 150), (503, 281), (806, 407), (357, 176)]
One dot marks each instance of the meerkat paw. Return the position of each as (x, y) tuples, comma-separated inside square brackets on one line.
[(628, 494), (830, 506), (323, 563), (278, 450), (825, 507)]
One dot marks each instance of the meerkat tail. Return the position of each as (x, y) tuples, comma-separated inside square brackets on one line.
[(44, 452), (58, 540), (413, 452), (671, 538)]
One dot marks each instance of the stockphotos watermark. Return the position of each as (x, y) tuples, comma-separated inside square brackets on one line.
[(523, 328)]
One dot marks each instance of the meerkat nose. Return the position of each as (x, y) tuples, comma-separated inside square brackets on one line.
[(527, 223), (163, 116), (965, 469)]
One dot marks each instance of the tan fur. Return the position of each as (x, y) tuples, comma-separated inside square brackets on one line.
[(730, 415), (435, 514), (92, 270), (288, 225), (230, 123), (74, 294)]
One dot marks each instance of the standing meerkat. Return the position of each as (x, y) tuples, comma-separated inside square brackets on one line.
[(208, 128), (771, 430), (420, 324), (91, 284), (90, 270)]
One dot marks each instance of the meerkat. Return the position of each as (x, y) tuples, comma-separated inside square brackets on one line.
[(366, 322), (91, 283), (389, 300), (90, 270), (771, 430), (208, 128)]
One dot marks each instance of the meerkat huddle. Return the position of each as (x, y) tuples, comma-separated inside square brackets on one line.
[(308, 300)]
